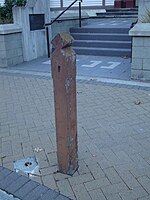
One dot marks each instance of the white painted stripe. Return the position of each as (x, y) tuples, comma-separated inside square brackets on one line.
[(111, 66), (93, 64)]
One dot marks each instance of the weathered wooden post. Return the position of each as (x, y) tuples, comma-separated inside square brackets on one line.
[(63, 64)]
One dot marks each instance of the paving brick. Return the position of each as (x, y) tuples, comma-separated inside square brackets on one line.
[(92, 185), (112, 175), (59, 176), (4, 173), (52, 157), (65, 188), (12, 177), (114, 189), (61, 197), (114, 197), (36, 193), (49, 181), (133, 194), (97, 195), (95, 168), (83, 168), (12, 188), (49, 170), (145, 182), (80, 179), (80, 192), (128, 178), (50, 194), (145, 198), (25, 189)]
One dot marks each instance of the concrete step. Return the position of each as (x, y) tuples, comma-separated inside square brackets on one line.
[(99, 30), (103, 51), (121, 9), (103, 44), (101, 36), (116, 16), (118, 13)]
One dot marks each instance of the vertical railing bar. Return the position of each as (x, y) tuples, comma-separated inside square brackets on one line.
[(80, 17), (47, 38), (103, 3)]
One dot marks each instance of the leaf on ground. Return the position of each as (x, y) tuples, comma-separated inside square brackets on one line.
[(137, 102)]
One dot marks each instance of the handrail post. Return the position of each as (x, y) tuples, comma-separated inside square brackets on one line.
[(80, 17)]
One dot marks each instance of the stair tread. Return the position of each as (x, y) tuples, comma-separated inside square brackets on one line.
[(114, 34), (116, 16), (103, 41), (104, 49)]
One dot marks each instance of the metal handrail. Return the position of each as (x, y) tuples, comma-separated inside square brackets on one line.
[(49, 24)]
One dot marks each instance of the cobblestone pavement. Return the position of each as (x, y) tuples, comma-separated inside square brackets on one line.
[(113, 137)]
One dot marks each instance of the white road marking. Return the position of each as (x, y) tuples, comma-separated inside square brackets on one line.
[(46, 62), (94, 64), (111, 66), (102, 24)]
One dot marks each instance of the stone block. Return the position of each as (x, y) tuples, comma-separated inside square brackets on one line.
[(50, 194), (137, 63), (3, 54), (36, 193), (12, 177), (146, 64), (22, 180), (25, 189), (137, 74), (140, 52), (14, 37), (138, 41), (146, 41), (146, 75), (13, 44), (1, 38), (2, 46)]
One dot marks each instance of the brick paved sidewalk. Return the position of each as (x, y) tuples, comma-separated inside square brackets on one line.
[(113, 137)]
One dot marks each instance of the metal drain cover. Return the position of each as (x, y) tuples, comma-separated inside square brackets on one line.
[(27, 165)]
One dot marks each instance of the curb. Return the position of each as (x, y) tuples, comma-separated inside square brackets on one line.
[(25, 189)]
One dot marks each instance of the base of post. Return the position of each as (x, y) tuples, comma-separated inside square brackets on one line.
[(69, 172)]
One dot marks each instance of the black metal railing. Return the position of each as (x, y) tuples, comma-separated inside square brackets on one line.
[(50, 23)]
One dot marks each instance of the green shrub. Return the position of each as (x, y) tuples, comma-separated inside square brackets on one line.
[(6, 15)]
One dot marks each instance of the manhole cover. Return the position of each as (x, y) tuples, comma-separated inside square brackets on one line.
[(27, 165)]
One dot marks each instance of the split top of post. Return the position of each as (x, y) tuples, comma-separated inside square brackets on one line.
[(62, 40)]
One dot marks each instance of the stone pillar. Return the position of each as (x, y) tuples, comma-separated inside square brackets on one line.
[(140, 67), (63, 64), (144, 9), (34, 40)]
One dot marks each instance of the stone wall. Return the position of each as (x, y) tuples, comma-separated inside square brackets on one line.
[(34, 41), (141, 58), (140, 65), (11, 52)]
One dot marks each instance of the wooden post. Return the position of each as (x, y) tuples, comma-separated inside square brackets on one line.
[(63, 64)]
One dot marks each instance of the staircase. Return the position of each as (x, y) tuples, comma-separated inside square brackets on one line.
[(119, 13), (102, 40)]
